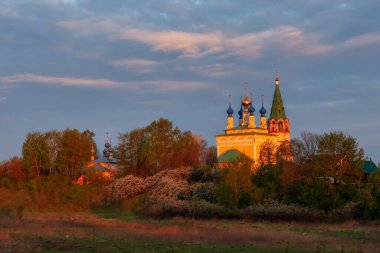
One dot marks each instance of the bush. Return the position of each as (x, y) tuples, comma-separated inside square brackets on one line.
[(205, 174), (162, 210), (204, 191), (274, 211), (206, 210)]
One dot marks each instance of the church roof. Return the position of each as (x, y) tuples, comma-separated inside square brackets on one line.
[(231, 156), (278, 110), (369, 166), (105, 159)]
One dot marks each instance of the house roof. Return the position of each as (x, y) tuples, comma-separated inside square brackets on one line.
[(231, 156), (369, 166)]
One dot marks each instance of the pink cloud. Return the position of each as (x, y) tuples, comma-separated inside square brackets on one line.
[(157, 85), (139, 65), (288, 39), (62, 81), (363, 40)]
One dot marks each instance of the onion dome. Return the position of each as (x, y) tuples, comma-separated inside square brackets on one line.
[(246, 102), (241, 112), (251, 110), (263, 111), (230, 111)]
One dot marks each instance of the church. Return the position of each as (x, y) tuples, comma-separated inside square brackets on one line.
[(247, 138)]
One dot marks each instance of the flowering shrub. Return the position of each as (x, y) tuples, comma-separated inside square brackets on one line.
[(126, 187), (165, 186)]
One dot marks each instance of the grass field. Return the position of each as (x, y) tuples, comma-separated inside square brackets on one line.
[(105, 231)]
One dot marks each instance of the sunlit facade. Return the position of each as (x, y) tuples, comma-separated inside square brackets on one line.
[(247, 138)]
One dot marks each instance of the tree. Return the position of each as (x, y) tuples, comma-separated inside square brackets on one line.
[(158, 146), (35, 154), (210, 156), (339, 158), (53, 142), (12, 173), (305, 147), (235, 189), (267, 181), (75, 152), (267, 153), (333, 173)]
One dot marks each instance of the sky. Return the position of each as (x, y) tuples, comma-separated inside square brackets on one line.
[(112, 66)]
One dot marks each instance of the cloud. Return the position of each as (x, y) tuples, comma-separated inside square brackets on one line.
[(2, 99), (62, 81), (196, 45), (138, 65), (157, 85), (363, 40), (191, 45), (213, 70)]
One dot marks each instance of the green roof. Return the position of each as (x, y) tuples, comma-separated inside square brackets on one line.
[(278, 110), (231, 156), (369, 166)]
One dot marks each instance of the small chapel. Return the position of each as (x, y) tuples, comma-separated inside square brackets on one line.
[(246, 138), (106, 166)]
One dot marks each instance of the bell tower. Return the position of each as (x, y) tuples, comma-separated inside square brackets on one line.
[(278, 122)]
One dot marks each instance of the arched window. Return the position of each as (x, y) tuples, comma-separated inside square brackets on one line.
[(280, 126)]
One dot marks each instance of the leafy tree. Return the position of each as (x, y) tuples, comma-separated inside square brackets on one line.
[(12, 174), (146, 151), (318, 193), (330, 174), (235, 189), (339, 158), (53, 143), (268, 183), (35, 154), (75, 152), (283, 152)]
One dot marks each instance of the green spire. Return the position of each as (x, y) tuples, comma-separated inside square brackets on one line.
[(278, 110)]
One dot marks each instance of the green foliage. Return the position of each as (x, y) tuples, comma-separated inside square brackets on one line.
[(205, 174), (146, 151), (75, 152), (368, 198), (35, 159), (272, 210), (207, 210), (204, 191), (53, 152), (235, 188), (318, 193), (268, 182), (339, 157)]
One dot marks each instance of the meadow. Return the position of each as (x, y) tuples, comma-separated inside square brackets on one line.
[(122, 231)]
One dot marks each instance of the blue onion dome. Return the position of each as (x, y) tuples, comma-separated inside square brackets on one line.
[(241, 111), (251, 109), (230, 111), (263, 111)]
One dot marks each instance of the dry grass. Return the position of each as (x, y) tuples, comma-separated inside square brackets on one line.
[(15, 233)]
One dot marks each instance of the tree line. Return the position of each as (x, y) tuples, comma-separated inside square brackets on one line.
[(142, 152), (61, 152), (326, 173)]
